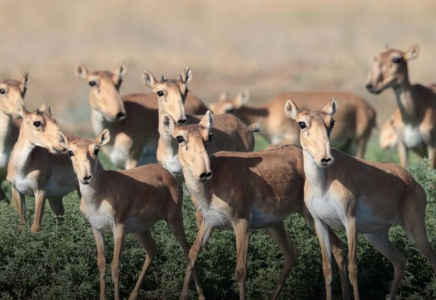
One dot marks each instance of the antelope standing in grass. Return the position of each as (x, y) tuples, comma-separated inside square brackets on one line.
[(132, 120), (11, 92), (229, 133), (124, 202), (37, 168), (355, 120), (355, 195), (416, 103), (243, 192)]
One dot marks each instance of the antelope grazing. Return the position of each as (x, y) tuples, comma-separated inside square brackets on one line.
[(246, 191), (11, 92), (355, 195), (124, 202), (132, 120), (416, 103), (230, 133), (355, 120), (36, 172)]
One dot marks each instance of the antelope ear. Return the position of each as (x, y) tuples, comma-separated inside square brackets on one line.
[(207, 120), (21, 109), (103, 138), (149, 79), (331, 107), (412, 53), (291, 110), (63, 140), (23, 83), (44, 107), (186, 76), (120, 70), (167, 124), (81, 71), (224, 96), (242, 98)]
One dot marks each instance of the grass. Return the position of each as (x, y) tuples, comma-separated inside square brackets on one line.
[(60, 261)]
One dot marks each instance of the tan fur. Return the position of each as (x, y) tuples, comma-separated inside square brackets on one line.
[(354, 122), (416, 103), (14, 91), (376, 196), (266, 187), (35, 172), (124, 202), (135, 134)]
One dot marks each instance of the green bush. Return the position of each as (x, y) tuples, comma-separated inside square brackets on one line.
[(60, 261)]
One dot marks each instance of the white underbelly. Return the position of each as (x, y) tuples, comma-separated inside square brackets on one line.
[(412, 137), (216, 218), (329, 211), (100, 222), (118, 156), (26, 186)]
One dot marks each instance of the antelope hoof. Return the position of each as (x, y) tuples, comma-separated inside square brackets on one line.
[(35, 229)]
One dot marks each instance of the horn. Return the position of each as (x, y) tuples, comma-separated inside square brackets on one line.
[(49, 109), (37, 111), (162, 79)]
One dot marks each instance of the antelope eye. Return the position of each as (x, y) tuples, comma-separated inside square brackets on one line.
[(92, 83), (37, 124), (302, 125), (2, 91), (160, 93), (229, 111), (96, 151), (396, 60), (180, 139), (70, 153), (209, 139)]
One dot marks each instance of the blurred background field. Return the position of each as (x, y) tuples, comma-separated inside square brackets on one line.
[(269, 47)]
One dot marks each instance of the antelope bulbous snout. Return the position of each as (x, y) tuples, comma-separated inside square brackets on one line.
[(205, 176), (120, 116), (181, 122), (369, 86), (326, 161), (86, 179)]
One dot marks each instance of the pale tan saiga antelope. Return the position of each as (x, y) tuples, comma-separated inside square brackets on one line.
[(416, 103), (124, 202), (132, 120), (229, 132), (243, 192), (355, 195), (11, 92), (355, 119), (37, 168)]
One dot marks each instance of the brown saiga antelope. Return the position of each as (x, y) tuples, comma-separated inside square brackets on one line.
[(355, 195), (124, 202), (132, 120), (11, 92), (37, 168), (416, 103), (243, 192), (230, 134), (355, 120)]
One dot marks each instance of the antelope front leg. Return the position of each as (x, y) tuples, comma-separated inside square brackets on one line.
[(39, 209), (202, 236), (403, 154), (20, 201), (116, 262), (337, 248), (352, 254), (101, 261), (242, 238), (57, 207), (322, 232)]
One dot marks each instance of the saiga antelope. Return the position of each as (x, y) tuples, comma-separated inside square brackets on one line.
[(230, 133), (355, 195), (132, 120), (11, 92), (355, 120), (124, 202), (416, 103), (243, 192), (37, 167)]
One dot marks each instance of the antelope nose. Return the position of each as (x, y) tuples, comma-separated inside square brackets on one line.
[(326, 161), (205, 176), (369, 86), (86, 178), (120, 115), (181, 122)]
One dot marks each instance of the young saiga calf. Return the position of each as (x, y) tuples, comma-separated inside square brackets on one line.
[(243, 192), (124, 202), (355, 195), (36, 172)]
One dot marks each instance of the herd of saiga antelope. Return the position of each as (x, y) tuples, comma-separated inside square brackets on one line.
[(231, 186)]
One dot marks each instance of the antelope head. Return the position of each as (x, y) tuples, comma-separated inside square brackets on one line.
[(389, 69), (171, 94), (41, 129), (11, 93), (315, 127), (226, 105), (104, 94)]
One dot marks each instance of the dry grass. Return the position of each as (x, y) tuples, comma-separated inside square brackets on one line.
[(267, 46)]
